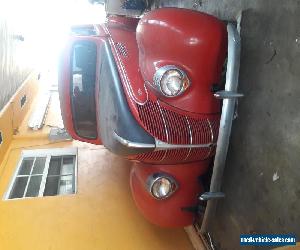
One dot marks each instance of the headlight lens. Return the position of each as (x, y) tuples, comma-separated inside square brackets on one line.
[(171, 83), (161, 186), (171, 80)]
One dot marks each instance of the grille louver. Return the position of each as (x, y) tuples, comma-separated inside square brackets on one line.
[(175, 128)]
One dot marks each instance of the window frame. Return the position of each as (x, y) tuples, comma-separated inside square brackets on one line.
[(48, 153)]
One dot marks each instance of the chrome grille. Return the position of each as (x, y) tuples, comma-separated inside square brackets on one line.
[(174, 128)]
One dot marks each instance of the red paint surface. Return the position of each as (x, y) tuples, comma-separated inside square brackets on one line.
[(193, 41), (196, 43), (126, 22), (168, 212)]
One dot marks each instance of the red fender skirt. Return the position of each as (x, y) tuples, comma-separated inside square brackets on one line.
[(169, 212)]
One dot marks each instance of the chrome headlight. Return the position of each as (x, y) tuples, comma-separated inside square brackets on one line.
[(161, 186), (171, 81)]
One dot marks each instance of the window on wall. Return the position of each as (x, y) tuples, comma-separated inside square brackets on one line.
[(44, 172)]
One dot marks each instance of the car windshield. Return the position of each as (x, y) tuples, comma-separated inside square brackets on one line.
[(84, 59)]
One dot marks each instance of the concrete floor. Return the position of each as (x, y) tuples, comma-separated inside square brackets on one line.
[(265, 142)]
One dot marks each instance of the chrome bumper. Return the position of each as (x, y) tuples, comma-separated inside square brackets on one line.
[(159, 145), (229, 96)]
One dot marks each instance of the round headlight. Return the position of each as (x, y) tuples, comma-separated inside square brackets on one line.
[(171, 81), (161, 186)]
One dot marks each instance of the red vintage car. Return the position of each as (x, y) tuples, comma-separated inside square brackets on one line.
[(151, 90)]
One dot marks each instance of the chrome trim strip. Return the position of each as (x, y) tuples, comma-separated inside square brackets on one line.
[(159, 145), (212, 137), (163, 118), (166, 130), (191, 138), (211, 131), (131, 144), (231, 85)]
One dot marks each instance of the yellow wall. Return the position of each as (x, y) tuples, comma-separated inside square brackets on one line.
[(12, 115), (102, 214), (28, 89), (6, 129)]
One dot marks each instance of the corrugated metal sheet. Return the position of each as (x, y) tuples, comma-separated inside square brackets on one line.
[(12, 73)]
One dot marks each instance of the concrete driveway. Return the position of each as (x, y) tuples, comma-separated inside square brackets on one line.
[(262, 173)]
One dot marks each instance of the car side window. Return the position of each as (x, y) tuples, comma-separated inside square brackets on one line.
[(84, 60)]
